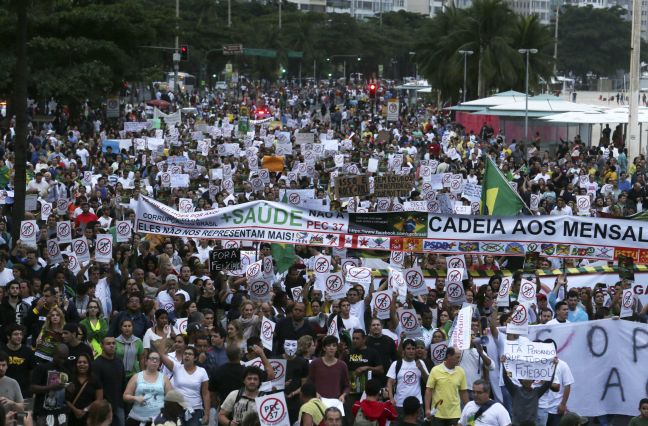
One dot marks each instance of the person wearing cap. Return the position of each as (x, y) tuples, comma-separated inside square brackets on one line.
[(173, 409)]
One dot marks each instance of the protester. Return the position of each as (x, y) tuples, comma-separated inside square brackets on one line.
[(482, 410), (371, 408), (311, 412), (447, 383)]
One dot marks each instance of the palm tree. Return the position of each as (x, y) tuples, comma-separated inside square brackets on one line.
[(529, 33)]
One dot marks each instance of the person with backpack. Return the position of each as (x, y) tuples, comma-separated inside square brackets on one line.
[(404, 377), (311, 412), (241, 402), (483, 411), (371, 411)]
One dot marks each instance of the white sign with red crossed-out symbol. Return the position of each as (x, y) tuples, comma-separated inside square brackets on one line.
[(259, 290), (415, 281), (255, 270), (527, 293), (28, 232), (272, 410), (438, 352), (455, 293), (53, 252), (104, 248), (185, 205), (455, 275), (123, 231), (297, 294), (46, 210), (349, 262), (397, 258), (334, 286), (87, 179), (409, 322), (456, 261), (165, 179), (279, 366), (268, 267), (519, 323), (267, 333), (396, 281), (627, 303), (322, 264), (381, 303), (583, 202), (61, 206), (359, 274), (81, 249), (64, 231), (503, 293), (73, 262)]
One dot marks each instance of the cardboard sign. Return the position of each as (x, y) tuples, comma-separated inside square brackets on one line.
[(393, 185), (351, 186)]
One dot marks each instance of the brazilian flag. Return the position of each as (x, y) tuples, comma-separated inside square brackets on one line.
[(283, 255), (498, 198)]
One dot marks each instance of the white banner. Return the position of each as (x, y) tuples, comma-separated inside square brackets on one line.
[(529, 360), (460, 337), (607, 359)]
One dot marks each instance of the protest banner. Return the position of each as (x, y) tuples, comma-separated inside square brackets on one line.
[(351, 186), (561, 236), (527, 360), (272, 410), (627, 303), (606, 358), (460, 336), (104, 248), (64, 231), (267, 333), (393, 185), (228, 259), (381, 304)]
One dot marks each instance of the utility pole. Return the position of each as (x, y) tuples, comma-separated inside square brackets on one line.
[(279, 14), (633, 138), (555, 67), (176, 54), (229, 13)]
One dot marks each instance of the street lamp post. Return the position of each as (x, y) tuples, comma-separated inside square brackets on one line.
[(465, 54), (527, 52)]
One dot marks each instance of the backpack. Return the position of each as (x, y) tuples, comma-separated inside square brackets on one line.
[(361, 420)]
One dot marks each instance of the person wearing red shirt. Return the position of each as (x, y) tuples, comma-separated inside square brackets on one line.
[(372, 409), (85, 216)]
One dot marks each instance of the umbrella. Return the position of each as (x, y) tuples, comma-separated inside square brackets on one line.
[(159, 103)]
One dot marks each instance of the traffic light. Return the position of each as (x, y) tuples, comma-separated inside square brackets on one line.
[(372, 90), (184, 52)]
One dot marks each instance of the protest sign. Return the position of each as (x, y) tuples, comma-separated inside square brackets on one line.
[(583, 203), (381, 304), (272, 410), (185, 205), (527, 360), (627, 303), (438, 352), (46, 210), (280, 367), (123, 231), (267, 333), (64, 231), (28, 232), (460, 336), (527, 294), (519, 323), (503, 292), (259, 290), (409, 322), (334, 286), (228, 259), (351, 186), (54, 252), (359, 274), (31, 202), (415, 281), (393, 185), (104, 248), (81, 249)]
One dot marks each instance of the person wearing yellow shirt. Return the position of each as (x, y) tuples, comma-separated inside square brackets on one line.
[(446, 390)]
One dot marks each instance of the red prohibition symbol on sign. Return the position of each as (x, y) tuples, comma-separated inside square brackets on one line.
[(528, 290), (63, 229), (520, 315), (454, 276), (438, 354), (414, 279), (123, 228), (322, 265), (272, 410), (359, 273), (104, 245), (278, 368), (267, 330), (583, 203), (397, 256), (627, 300), (80, 247), (294, 198), (454, 290), (253, 270), (260, 288), (333, 283), (408, 320), (27, 230), (383, 302), (456, 263), (52, 248)]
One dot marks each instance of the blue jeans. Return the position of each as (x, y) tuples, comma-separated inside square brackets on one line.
[(542, 416), (195, 419), (119, 418), (507, 401)]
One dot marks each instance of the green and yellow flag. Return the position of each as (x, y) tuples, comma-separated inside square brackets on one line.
[(498, 198)]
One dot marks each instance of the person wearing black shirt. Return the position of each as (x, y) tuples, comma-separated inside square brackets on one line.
[(294, 279), (110, 372), (292, 328), (226, 378), (362, 360), (76, 347), (48, 383), (383, 345), (21, 358), (411, 408), (296, 375)]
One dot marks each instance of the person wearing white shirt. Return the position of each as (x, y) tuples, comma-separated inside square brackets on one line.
[(552, 405), (165, 297), (561, 208), (406, 375), (562, 311), (83, 154), (483, 411)]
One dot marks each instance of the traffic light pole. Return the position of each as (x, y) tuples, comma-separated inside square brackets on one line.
[(176, 54)]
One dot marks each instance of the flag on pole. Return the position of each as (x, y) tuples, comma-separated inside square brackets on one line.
[(498, 198)]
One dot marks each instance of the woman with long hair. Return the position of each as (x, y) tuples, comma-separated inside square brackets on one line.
[(129, 348), (50, 336), (235, 336), (192, 381), (250, 322), (146, 390), (86, 388), (306, 347), (95, 325)]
